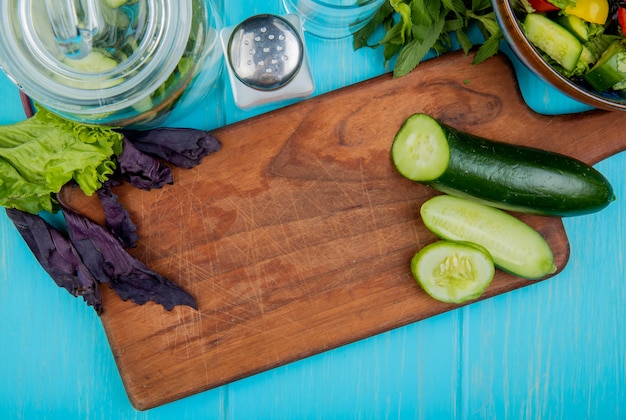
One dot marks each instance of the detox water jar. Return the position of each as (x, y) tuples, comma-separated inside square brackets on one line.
[(333, 19), (111, 62)]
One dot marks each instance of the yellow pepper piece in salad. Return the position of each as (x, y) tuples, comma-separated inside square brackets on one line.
[(593, 11)]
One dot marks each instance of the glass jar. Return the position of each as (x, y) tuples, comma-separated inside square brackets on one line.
[(333, 19), (111, 62)]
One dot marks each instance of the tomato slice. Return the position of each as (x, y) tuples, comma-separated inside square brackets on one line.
[(621, 18), (543, 6)]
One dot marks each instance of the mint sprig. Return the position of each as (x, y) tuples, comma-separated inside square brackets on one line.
[(415, 27)]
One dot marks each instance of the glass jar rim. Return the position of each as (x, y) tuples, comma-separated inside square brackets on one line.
[(33, 69)]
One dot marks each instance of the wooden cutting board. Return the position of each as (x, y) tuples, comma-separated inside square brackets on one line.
[(296, 237)]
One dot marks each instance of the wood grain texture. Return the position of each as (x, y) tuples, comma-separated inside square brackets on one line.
[(296, 237)]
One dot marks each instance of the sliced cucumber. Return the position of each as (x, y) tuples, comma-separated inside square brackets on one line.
[(586, 57), (144, 105), (503, 175), (514, 246), (610, 68), (576, 26), (421, 151), (599, 44), (553, 39), (117, 3), (453, 272), (96, 61)]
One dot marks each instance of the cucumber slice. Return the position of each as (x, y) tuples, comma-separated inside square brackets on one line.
[(575, 25), (553, 39), (586, 57), (610, 68), (420, 151), (96, 61), (114, 4), (453, 272), (514, 246)]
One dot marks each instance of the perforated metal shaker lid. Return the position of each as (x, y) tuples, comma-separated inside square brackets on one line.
[(265, 52)]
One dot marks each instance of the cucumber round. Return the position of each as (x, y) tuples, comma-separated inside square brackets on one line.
[(97, 61), (553, 39), (453, 272), (608, 71), (423, 153), (514, 246), (507, 176), (577, 26)]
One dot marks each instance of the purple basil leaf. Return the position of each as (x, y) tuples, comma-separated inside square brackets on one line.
[(143, 171), (182, 147), (117, 218), (109, 262), (57, 256)]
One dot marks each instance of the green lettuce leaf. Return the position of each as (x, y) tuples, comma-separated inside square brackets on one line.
[(41, 154)]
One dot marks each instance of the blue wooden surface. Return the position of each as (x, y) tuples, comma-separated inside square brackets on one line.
[(554, 350)]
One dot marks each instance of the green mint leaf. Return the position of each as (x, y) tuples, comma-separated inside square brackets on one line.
[(445, 40), (455, 6), (488, 49), (404, 10), (414, 27), (463, 41), (431, 7), (413, 52), (487, 21), (420, 16), (408, 58), (394, 35), (480, 5), (452, 25), (390, 50), (441, 47), (362, 36)]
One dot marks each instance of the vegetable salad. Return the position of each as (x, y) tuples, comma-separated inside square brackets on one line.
[(581, 39)]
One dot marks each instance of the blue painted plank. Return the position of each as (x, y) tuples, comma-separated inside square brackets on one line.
[(410, 372), (557, 349)]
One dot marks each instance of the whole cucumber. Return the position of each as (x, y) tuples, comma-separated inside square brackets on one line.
[(506, 176)]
